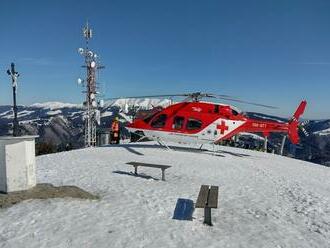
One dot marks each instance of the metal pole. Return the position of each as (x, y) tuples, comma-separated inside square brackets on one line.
[(282, 145), (15, 123)]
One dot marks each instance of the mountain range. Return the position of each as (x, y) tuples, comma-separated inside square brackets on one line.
[(60, 124)]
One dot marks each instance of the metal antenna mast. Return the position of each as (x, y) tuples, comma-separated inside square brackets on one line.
[(14, 75), (92, 114)]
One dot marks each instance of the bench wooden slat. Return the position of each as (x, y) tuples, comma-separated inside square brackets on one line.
[(202, 197), (160, 166), (213, 197)]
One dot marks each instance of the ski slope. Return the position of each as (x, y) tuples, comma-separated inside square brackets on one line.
[(264, 201)]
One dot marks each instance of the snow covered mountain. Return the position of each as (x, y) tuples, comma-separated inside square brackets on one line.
[(54, 122), (265, 200), (62, 123)]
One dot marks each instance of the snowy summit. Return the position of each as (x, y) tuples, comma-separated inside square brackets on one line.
[(55, 105), (265, 200)]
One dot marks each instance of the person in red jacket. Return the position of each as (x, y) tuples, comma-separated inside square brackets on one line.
[(115, 130)]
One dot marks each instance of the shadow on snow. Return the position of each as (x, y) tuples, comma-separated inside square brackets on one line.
[(135, 175), (219, 153)]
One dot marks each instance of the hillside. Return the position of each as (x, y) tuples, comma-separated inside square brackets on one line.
[(59, 123), (265, 200), (56, 123)]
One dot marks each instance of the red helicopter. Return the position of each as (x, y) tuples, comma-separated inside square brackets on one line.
[(195, 121)]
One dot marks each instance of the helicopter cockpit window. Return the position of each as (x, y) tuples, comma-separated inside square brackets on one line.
[(194, 124), (159, 121), (178, 122), (148, 118), (234, 112)]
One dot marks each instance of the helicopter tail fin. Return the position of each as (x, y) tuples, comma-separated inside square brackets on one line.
[(294, 123)]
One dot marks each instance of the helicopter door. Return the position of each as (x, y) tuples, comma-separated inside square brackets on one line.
[(178, 123), (159, 121), (158, 124), (193, 126), (178, 128)]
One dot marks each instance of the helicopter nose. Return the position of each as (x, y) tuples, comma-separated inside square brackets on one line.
[(134, 124)]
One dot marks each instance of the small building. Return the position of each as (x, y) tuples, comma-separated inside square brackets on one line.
[(17, 163)]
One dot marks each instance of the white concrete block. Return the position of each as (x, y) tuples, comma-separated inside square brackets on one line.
[(17, 163)]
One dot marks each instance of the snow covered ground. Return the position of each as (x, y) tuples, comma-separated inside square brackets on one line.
[(264, 201)]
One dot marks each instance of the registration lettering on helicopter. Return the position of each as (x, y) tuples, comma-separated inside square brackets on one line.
[(261, 125)]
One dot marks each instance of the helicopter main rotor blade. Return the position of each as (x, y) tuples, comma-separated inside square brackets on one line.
[(187, 95), (196, 96), (151, 96), (216, 95), (247, 102)]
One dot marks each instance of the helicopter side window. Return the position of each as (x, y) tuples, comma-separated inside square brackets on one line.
[(160, 121), (194, 124), (178, 122), (216, 109)]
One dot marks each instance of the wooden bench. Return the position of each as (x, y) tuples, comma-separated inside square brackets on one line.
[(207, 199), (159, 166)]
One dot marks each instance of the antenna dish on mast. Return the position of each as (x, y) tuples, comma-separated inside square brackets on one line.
[(101, 103), (80, 81), (90, 54)]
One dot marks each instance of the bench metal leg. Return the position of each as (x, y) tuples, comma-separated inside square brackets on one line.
[(207, 216), (163, 174), (135, 170)]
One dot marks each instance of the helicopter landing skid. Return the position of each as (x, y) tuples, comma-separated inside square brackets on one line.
[(163, 144)]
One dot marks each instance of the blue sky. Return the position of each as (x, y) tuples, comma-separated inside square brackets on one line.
[(273, 52)]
